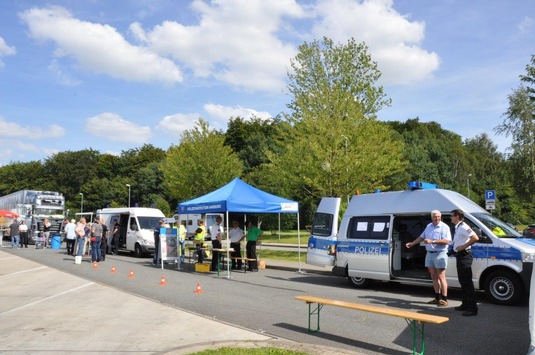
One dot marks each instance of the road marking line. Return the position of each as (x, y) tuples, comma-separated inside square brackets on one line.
[(47, 298), (24, 271)]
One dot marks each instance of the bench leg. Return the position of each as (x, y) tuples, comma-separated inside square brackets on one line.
[(311, 312), (417, 328)]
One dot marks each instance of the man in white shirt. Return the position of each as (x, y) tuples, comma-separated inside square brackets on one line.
[(215, 235), (236, 236), (70, 230), (464, 237), (437, 237)]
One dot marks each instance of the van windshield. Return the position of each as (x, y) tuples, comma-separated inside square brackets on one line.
[(499, 228), (148, 222)]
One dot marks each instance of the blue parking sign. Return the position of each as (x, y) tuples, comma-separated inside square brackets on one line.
[(490, 195)]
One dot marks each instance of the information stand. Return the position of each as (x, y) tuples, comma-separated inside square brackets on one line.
[(169, 246)]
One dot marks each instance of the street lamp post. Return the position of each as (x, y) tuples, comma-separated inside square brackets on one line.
[(82, 203), (128, 194), (468, 183)]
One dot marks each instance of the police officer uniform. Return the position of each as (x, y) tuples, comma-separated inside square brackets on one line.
[(464, 257)]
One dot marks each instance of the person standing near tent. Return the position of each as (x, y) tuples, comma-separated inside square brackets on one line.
[(215, 235), (182, 234), (200, 233), (253, 235), (236, 235)]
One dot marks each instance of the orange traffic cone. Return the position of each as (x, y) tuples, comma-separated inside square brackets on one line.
[(198, 289), (95, 265), (131, 275), (113, 271), (162, 281)]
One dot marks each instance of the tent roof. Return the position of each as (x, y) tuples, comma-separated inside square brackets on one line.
[(238, 196)]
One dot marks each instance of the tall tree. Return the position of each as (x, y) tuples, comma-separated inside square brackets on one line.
[(434, 154), (200, 164), (519, 123), (335, 145), (252, 138), (23, 176), (324, 76)]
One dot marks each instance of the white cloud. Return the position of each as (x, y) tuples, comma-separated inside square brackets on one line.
[(178, 123), (224, 113), (12, 129), (114, 128), (5, 50), (525, 24), (393, 40), (235, 42), (99, 48), (219, 116), (64, 77)]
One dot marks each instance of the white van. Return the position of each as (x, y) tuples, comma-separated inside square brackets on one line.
[(370, 244), (137, 226), (190, 221)]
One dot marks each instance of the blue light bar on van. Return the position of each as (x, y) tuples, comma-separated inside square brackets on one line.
[(421, 185)]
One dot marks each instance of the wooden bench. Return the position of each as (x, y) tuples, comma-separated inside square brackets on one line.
[(415, 320), (247, 261)]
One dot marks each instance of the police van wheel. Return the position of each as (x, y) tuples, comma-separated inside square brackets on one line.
[(503, 287), (359, 282), (137, 252)]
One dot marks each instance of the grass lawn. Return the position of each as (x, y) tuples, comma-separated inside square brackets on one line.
[(286, 237), (281, 254)]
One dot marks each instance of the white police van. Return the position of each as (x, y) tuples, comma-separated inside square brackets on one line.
[(370, 244)]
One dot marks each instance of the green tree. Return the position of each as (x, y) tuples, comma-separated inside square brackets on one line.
[(200, 164), (335, 145), (251, 139), (70, 171), (23, 176), (519, 124), (324, 75), (434, 154)]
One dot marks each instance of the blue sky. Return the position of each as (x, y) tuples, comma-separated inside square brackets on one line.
[(114, 75)]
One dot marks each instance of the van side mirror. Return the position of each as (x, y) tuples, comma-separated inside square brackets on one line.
[(483, 238)]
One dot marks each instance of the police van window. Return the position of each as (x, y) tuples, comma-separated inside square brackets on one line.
[(369, 228), (322, 224)]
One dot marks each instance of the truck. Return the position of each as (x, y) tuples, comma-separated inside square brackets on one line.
[(34, 206), (136, 227), (369, 244), (190, 221)]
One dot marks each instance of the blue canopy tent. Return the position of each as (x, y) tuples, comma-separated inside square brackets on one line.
[(238, 196)]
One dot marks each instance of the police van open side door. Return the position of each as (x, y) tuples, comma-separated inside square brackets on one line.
[(322, 242), (366, 247)]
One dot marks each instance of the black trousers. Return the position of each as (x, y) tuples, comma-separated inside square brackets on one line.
[(250, 248), (24, 239), (464, 274), (236, 254), (216, 244), (70, 246)]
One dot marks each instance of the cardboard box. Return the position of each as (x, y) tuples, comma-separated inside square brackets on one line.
[(204, 267), (261, 264)]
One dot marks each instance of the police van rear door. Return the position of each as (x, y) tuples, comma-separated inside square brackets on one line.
[(322, 242)]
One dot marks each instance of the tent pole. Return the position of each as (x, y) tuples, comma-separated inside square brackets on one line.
[(299, 245), (228, 247)]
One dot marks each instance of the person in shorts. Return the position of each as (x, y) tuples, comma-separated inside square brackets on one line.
[(437, 237)]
